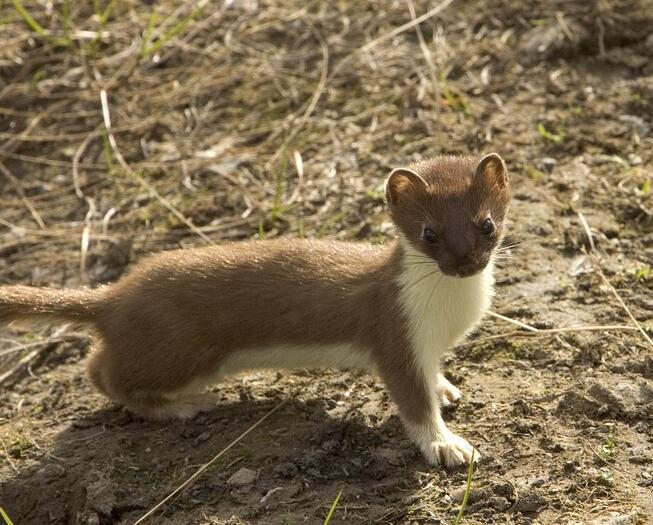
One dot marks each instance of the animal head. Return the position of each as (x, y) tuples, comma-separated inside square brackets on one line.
[(451, 210)]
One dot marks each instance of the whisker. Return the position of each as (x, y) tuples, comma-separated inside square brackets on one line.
[(432, 294), (422, 278)]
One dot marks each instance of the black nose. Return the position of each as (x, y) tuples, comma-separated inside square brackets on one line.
[(468, 267), (465, 260)]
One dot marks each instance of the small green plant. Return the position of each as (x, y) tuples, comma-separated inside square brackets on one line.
[(38, 28), (107, 152), (18, 445), (639, 99), (277, 210), (451, 99), (468, 489), (151, 46), (605, 477), (537, 22), (330, 222), (5, 517), (332, 509), (300, 228), (375, 195), (534, 173), (556, 138), (646, 187), (609, 447), (261, 229), (643, 273), (102, 15)]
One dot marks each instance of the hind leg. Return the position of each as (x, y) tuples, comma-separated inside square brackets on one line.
[(183, 407), (118, 383), (94, 371)]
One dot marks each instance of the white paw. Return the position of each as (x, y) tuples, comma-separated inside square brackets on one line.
[(188, 407), (451, 451), (447, 393)]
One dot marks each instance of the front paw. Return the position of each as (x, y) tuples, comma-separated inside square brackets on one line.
[(447, 393), (451, 451)]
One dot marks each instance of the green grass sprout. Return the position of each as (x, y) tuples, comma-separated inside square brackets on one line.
[(332, 509), (468, 489)]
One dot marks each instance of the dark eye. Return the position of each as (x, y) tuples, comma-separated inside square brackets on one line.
[(487, 228), (429, 235)]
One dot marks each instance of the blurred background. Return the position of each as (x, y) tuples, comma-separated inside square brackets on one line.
[(128, 127)]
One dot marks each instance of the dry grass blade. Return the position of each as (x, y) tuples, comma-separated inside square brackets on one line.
[(588, 232), (554, 331), (623, 304), (199, 471), (428, 57), (16, 183), (86, 238), (20, 347), (121, 160), (27, 360), (513, 321), (297, 126), (408, 25), (78, 155)]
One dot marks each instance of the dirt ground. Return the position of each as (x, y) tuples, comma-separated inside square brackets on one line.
[(248, 119)]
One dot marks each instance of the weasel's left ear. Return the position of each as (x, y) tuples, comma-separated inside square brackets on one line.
[(493, 170)]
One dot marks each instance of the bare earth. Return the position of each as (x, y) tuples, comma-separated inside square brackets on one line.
[(258, 119)]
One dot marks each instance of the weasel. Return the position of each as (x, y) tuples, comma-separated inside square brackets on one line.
[(182, 320)]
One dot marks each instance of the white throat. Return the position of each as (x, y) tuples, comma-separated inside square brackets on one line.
[(441, 309)]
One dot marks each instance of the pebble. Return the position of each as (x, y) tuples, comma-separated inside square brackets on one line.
[(530, 502), (202, 437), (638, 459), (547, 164), (244, 476), (269, 493)]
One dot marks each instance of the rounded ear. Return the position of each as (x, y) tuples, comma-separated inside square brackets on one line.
[(492, 170), (403, 183)]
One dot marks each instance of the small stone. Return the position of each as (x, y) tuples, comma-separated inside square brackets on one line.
[(244, 476), (538, 482), (530, 502), (457, 494), (498, 503), (202, 437), (270, 493), (100, 497), (634, 159), (618, 519), (547, 164), (638, 459)]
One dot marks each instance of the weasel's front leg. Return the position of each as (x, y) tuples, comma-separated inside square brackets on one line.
[(447, 393), (419, 406)]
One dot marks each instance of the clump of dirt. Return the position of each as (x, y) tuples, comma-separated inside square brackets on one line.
[(239, 120)]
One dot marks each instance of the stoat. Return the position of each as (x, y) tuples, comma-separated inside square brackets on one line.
[(182, 320)]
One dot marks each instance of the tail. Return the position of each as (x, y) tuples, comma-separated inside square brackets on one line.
[(28, 302)]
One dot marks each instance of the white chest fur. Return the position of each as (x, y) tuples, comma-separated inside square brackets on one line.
[(440, 309)]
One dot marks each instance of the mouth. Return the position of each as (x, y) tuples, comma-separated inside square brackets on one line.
[(467, 270)]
